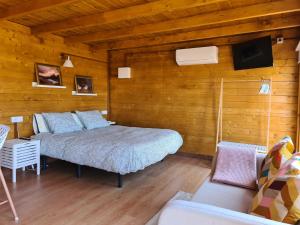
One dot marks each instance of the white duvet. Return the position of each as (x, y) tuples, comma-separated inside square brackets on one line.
[(116, 149)]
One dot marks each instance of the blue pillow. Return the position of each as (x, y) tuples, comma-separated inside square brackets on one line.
[(59, 123), (92, 119)]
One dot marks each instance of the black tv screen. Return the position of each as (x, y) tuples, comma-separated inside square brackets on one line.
[(253, 54)]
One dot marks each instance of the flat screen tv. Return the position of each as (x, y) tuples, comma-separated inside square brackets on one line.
[(253, 54)]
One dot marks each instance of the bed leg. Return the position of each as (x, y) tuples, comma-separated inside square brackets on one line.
[(120, 180), (44, 162), (78, 171)]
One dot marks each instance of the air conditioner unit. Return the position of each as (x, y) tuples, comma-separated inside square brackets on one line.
[(197, 56)]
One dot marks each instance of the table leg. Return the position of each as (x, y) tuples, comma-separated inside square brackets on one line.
[(38, 168), (14, 175)]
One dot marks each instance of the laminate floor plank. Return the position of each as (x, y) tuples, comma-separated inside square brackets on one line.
[(58, 197)]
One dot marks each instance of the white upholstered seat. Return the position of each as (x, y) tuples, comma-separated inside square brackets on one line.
[(224, 196)]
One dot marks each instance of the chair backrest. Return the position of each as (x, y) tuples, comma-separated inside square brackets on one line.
[(3, 134)]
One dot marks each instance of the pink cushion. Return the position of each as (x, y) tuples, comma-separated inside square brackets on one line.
[(236, 166)]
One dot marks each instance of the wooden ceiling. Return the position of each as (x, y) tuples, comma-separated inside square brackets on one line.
[(112, 23)]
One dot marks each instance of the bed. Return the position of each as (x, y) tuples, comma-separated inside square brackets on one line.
[(117, 149)]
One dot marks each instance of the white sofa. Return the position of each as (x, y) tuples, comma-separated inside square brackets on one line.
[(214, 204)]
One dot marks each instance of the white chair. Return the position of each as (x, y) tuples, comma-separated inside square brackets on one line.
[(3, 134)]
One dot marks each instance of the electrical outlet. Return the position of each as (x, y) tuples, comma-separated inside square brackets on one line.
[(16, 119)]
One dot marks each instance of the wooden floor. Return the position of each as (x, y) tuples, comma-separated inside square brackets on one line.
[(57, 197)]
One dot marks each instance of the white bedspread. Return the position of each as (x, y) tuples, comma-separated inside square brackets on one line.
[(116, 149)]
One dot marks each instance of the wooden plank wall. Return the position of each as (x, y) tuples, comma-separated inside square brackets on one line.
[(162, 94), (19, 50)]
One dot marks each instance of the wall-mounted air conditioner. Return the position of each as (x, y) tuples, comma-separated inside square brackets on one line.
[(196, 56)]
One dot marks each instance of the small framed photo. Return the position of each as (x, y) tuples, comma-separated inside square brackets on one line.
[(48, 74), (84, 84)]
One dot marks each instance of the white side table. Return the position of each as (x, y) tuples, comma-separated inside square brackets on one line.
[(17, 153)]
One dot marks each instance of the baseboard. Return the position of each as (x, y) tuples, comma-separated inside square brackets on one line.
[(192, 155)]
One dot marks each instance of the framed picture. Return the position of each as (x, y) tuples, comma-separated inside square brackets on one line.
[(84, 84), (48, 74)]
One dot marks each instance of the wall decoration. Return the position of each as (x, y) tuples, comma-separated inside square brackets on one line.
[(48, 74), (84, 84)]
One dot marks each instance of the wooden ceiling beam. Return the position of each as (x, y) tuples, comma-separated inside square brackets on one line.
[(128, 13), (30, 7), (231, 15), (224, 31)]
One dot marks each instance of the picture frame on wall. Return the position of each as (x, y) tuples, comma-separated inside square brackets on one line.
[(84, 84), (47, 74)]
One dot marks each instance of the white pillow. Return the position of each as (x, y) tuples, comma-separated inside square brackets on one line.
[(41, 125), (92, 119), (34, 125)]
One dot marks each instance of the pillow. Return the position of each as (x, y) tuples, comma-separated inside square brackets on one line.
[(34, 125), (77, 120), (92, 119), (276, 157), (61, 122), (279, 198), (236, 166), (41, 125)]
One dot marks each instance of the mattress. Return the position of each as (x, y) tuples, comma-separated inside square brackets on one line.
[(117, 149)]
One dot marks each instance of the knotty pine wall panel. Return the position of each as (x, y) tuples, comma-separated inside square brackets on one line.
[(19, 50), (164, 95)]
